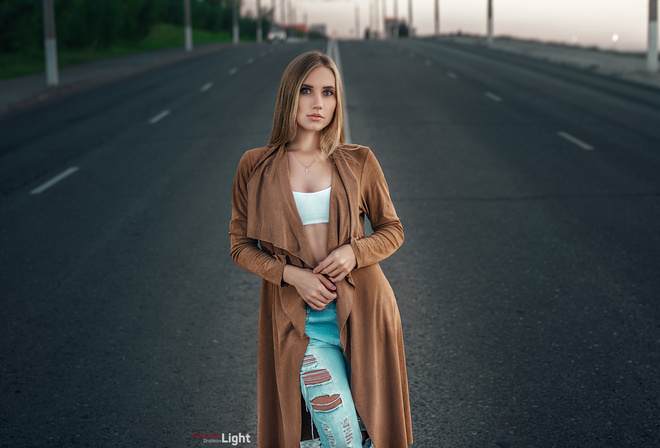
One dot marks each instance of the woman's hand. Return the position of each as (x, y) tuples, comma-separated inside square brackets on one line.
[(315, 289), (338, 263)]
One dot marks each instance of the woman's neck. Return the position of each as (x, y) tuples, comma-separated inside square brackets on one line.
[(306, 141)]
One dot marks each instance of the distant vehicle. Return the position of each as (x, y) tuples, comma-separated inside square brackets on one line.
[(276, 35)]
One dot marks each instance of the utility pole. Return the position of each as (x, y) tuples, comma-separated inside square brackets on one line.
[(396, 17), (259, 32), (272, 15), (437, 18), (490, 22), (411, 32), (235, 22), (188, 27), (357, 21), (376, 18), (384, 19), (652, 53), (50, 44)]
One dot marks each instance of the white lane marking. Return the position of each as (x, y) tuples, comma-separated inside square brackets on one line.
[(452, 75), (159, 117), (250, 61), (64, 174), (427, 62), (493, 97), (333, 49), (233, 70), (206, 86), (577, 141)]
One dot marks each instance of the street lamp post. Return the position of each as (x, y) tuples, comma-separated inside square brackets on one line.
[(50, 44), (437, 18), (411, 31), (396, 18), (490, 21), (235, 22), (652, 52), (188, 27), (259, 32)]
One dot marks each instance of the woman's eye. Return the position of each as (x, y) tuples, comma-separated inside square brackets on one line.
[(328, 92), (305, 90)]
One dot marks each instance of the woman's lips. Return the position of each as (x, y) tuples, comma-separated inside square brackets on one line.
[(315, 117)]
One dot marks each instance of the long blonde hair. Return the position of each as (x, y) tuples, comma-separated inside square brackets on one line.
[(286, 107)]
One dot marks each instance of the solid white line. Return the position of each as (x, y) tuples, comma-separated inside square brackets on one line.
[(233, 70), (334, 48), (493, 97), (452, 75), (250, 61), (159, 117), (577, 141), (206, 86), (54, 180)]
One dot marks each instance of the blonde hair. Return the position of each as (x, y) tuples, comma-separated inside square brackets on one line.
[(286, 107)]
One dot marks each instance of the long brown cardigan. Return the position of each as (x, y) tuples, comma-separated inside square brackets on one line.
[(266, 234)]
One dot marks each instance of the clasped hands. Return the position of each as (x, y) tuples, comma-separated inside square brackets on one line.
[(317, 286)]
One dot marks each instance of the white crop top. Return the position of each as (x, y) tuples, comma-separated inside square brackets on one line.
[(313, 208)]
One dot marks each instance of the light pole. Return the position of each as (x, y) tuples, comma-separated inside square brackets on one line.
[(490, 22), (50, 44), (235, 22), (384, 19), (259, 32), (396, 18), (188, 28), (376, 17), (357, 21), (652, 52), (437, 18), (411, 32)]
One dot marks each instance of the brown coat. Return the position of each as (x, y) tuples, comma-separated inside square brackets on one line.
[(264, 213)]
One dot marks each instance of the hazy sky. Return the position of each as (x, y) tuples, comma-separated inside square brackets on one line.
[(590, 22)]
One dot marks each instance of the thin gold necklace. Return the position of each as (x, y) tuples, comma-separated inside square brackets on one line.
[(306, 166)]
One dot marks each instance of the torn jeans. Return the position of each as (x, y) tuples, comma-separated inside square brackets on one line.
[(324, 381)]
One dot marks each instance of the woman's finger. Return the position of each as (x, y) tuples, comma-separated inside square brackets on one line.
[(339, 277), (327, 283)]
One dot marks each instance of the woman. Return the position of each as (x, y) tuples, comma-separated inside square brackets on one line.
[(330, 339)]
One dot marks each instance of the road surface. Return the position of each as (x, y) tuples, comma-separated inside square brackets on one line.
[(528, 283)]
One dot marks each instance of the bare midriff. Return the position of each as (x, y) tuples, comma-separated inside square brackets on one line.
[(317, 235)]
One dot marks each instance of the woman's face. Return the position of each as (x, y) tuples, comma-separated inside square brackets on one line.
[(317, 100)]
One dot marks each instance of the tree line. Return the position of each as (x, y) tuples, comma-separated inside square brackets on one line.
[(104, 23)]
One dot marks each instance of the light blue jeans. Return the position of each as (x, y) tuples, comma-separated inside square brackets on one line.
[(324, 382)]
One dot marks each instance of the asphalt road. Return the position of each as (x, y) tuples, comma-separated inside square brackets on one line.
[(528, 283)]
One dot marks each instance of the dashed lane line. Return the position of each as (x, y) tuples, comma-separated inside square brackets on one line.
[(493, 97), (64, 174), (206, 86), (159, 117), (452, 75), (575, 140)]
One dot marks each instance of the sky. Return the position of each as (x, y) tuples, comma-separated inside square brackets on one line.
[(585, 22)]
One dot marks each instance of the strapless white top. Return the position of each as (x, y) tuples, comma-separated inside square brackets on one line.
[(313, 208)]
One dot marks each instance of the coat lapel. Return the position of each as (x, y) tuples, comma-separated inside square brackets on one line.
[(343, 226), (272, 214)]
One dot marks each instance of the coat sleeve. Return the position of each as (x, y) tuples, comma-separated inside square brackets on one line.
[(245, 251), (377, 205)]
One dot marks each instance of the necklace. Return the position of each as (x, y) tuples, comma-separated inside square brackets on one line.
[(306, 166)]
